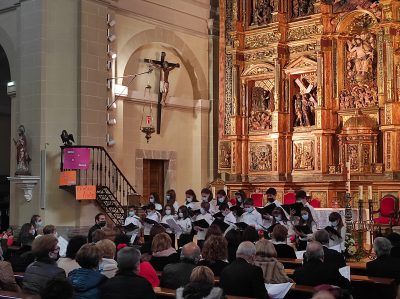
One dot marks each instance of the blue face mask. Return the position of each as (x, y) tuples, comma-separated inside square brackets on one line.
[(305, 217)]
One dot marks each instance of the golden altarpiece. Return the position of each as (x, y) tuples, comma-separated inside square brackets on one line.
[(306, 86)]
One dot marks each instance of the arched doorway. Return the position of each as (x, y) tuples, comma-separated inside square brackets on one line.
[(5, 137)]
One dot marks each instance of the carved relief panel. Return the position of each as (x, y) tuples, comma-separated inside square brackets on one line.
[(262, 12), (303, 155), (301, 8), (224, 155), (261, 105), (260, 157)]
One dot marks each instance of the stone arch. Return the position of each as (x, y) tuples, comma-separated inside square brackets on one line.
[(8, 46), (189, 60)]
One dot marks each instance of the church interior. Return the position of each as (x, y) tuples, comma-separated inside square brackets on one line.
[(104, 103)]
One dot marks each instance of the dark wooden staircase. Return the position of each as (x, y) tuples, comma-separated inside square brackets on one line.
[(113, 190)]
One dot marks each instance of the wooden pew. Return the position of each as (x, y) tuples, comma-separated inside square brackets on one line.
[(14, 295)]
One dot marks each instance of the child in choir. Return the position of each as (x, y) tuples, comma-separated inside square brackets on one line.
[(301, 196), (204, 214), (191, 201), (155, 199), (206, 196), (337, 231), (185, 224), (271, 198), (240, 197), (229, 218), (251, 216), (169, 213), (170, 198), (151, 214), (279, 217), (306, 220), (135, 220), (222, 198)]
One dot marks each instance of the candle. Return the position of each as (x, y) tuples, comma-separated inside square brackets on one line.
[(226, 189), (348, 176), (348, 186), (213, 191), (369, 192), (360, 191)]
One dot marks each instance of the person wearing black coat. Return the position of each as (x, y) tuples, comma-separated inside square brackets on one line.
[(126, 284), (177, 275), (384, 265), (241, 278), (331, 257), (314, 272), (100, 222)]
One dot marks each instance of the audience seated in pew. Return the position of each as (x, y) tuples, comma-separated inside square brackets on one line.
[(7, 279), (23, 257), (215, 254), (126, 283), (394, 239), (68, 263), (384, 265), (87, 280), (177, 275), (279, 239), (233, 238), (58, 288), (331, 257), (201, 285), (273, 270), (108, 265), (147, 271), (162, 252), (241, 277), (44, 268), (155, 230), (314, 272)]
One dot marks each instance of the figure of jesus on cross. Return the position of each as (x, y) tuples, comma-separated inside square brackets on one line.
[(165, 67)]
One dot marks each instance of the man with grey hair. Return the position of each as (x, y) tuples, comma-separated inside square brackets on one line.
[(241, 278), (126, 282), (384, 265), (314, 272), (178, 275), (331, 256)]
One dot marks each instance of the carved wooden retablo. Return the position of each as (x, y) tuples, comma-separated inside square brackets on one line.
[(306, 86)]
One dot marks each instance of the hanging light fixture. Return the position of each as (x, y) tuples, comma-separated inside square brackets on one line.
[(147, 126)]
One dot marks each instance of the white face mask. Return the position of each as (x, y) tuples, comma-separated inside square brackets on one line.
[(334, 223), (221, 199), (167, 212), (39, 223), (202, 211), (239, 199), (248, 210), (150, 213), (278, 218), (131, 213), (151, 199), (189, 199), (167, 197), (204, 198), (180, 215), (56, 234)]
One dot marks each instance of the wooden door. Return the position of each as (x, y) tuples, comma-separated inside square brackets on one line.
[(153, 178)]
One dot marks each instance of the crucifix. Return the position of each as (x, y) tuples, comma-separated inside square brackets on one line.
[(165, 67)]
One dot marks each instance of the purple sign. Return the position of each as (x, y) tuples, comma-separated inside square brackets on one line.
[(76, 158)]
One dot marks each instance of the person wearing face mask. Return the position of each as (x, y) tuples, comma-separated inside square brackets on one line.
[(240, 198), (251, 216), (305, 228), (169, 213), (336, 230), (100, 223), (132, 218), (155, 199), (279, 217), (301, 196), (206, 196), (44, 268), (151, 214), (37, 223), (191, 201), (204, 214), (170, 198), (222, 198), (271, 198), (185, 223), (229, 218)]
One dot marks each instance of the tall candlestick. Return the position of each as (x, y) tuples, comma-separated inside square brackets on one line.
[(369, 192), (360, 192), (348, 176)]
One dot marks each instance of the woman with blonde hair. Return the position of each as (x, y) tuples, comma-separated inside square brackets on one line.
[(162, 252), (201, 285), (273, 270), (108, 265)]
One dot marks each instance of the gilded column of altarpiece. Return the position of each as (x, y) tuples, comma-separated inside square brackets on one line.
[(306, 86)]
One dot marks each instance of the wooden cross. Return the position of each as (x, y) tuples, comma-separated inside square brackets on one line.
[(165, 67)]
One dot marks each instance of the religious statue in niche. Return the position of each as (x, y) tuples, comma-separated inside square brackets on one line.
[(260, 157), (305, 100), (303, 155), (360, 87), (302, 8), (225, 155), (22, 155), (261, 106), (262, 12), (352, 153), (366, 157)]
